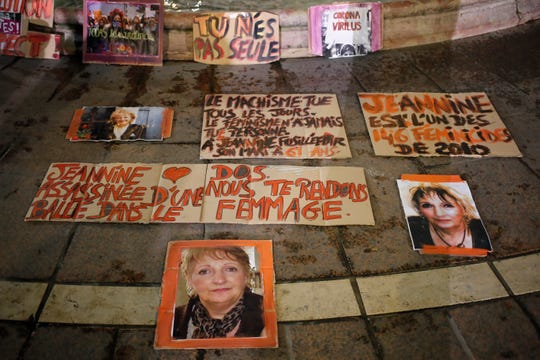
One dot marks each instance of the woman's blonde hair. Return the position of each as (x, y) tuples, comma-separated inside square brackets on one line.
[(192, 255), (119, 112), (445, 194)]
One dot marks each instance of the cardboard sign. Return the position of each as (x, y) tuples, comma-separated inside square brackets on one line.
[(15, 37), (347, 29), (435, 124), (236, 38), (216, 193), (273, 126), (120, 123), (182, 294), (123, 32), (441, 216)]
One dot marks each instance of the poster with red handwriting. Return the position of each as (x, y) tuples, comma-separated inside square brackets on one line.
[(96, 193), (16, 38), (262, 194), (436, 124), (178, 198), (242, 271), (346, 29), (120, 123), (288, 126), (236, 38), (225, 193), (441, 215), (123, 32)]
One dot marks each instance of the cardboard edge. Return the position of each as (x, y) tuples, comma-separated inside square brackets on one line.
[(455, 251), (166, 125), (431, 178), (74, 126)]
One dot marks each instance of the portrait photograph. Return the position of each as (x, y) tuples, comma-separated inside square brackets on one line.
[(120, 123), (217, 294), (441, 213)]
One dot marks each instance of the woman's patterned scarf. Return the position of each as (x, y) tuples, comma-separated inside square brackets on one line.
[(206, 327)]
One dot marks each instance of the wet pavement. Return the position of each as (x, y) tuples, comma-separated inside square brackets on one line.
[(381, 300)]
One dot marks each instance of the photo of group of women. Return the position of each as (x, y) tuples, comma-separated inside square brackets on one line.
[(120, 31)]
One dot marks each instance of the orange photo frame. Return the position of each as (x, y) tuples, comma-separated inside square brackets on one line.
[(169, 292)]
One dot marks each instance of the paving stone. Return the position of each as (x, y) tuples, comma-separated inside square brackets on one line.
[(67, 342), (136, 344), (429, 289), (12, 338), (114, 305), (531, 302), (20, 300), (391, 71), (427, 334), (315, 300), (341, 340), (519, 281), (123, 253), (38, 245), (247, 79), (497, 330), (166, 153)]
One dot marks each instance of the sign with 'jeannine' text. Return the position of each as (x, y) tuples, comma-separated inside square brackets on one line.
[(435, 124), (213, 193)]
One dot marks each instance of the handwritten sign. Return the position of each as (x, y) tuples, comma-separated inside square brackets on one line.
[(435, 124), (10, 23), (273, 126), (236, 38), (17, 40), (345, 29), (217, 193)]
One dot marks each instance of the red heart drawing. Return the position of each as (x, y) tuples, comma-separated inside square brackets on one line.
[(175, 173)]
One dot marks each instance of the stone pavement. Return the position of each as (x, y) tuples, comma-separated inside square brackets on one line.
[(90, 291)]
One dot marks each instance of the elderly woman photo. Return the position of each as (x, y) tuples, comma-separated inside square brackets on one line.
[(221, 303), (445, 219), (121, 126)]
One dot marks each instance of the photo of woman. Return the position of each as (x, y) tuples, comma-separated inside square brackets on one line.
[(217, 294), (121, 126), (221, 302), (440, 215)]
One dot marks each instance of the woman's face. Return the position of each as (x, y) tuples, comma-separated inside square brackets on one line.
[(122, 119), (218, 281), (442, 213)]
